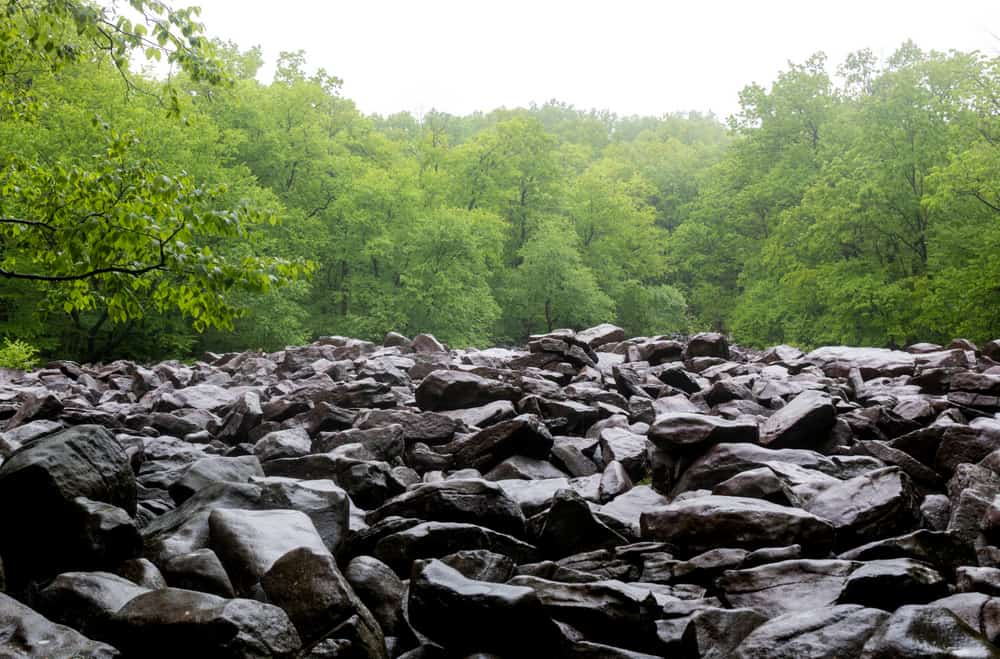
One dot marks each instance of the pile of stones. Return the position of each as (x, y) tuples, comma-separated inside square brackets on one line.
[(587, 496)]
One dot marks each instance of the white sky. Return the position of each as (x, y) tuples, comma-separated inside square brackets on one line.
[(628, 56)]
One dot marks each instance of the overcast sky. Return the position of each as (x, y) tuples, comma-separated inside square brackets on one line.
[(628, 56)]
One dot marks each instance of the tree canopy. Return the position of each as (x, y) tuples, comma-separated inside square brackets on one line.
[(148, 215)]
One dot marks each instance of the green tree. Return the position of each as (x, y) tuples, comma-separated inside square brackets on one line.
[(115, 235), (552, 287)]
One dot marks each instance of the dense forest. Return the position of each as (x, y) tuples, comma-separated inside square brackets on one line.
[(145, 216)]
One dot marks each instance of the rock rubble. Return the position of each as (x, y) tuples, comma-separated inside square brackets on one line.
[(587, 496)]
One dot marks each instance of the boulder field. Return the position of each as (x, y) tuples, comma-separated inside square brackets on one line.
[(586, 496)]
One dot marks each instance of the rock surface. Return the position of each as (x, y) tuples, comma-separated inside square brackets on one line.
[(589, 495)]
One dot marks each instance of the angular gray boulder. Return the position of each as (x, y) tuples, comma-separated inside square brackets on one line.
[(707, 522)]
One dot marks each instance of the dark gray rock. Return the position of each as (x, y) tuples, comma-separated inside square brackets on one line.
[(248, 542), (837, 361), (805, 422), (105, 535), (368, 482), (705, 567), (324, 417), (694, 432), (535, 496), (605, 333), (707, 344), (523, 435), (779, 588), (708, 522), (309, 587), (32, 407), (199, 570), (27, 633), (627, 448), (384, 443), (876, 505), (714, 633), (772, 555), (142, 572), (927, 631), (427, 427), (242, 416), (570, 528), (216, 469), (606, 611), (979, 611), (942, 550), (889, 584), (464, 615), (426, 343), (759, 483), (480, 416), (86, 601), (978, 580), (452, 390), (50, 473), (832, 632), (481, 565), (322, 501), (626, 508), (723, 461), (289, 443), (520, 466), (960, 444), (471, 501), (563, 347), (171, 623), (381, 591), (615, 480), (438, 539)]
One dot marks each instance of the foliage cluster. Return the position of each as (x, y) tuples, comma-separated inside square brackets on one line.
[(18, 354), (145, 218)]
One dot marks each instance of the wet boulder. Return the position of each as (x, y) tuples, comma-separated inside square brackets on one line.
[(428, 427), (215, 469), (723, 461), (320, 602), (523, 435), (82, 461), (464, 615), (481, 565), (889, 584), (381, 591), (707, 344), (199, 570), (170, 623), (288, 443), (879, 504), (779, 588), (26, 633), (472, 501), (571, 528), (248, 542), (604, 611), (692, 432), (805, 422), (713, 633), (453, 390), (927, 631), (837, 361), (830, 632), (438, 539), (86, 601), (707, 522)]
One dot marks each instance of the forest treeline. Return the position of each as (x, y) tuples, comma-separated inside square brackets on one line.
[(854, 202)]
